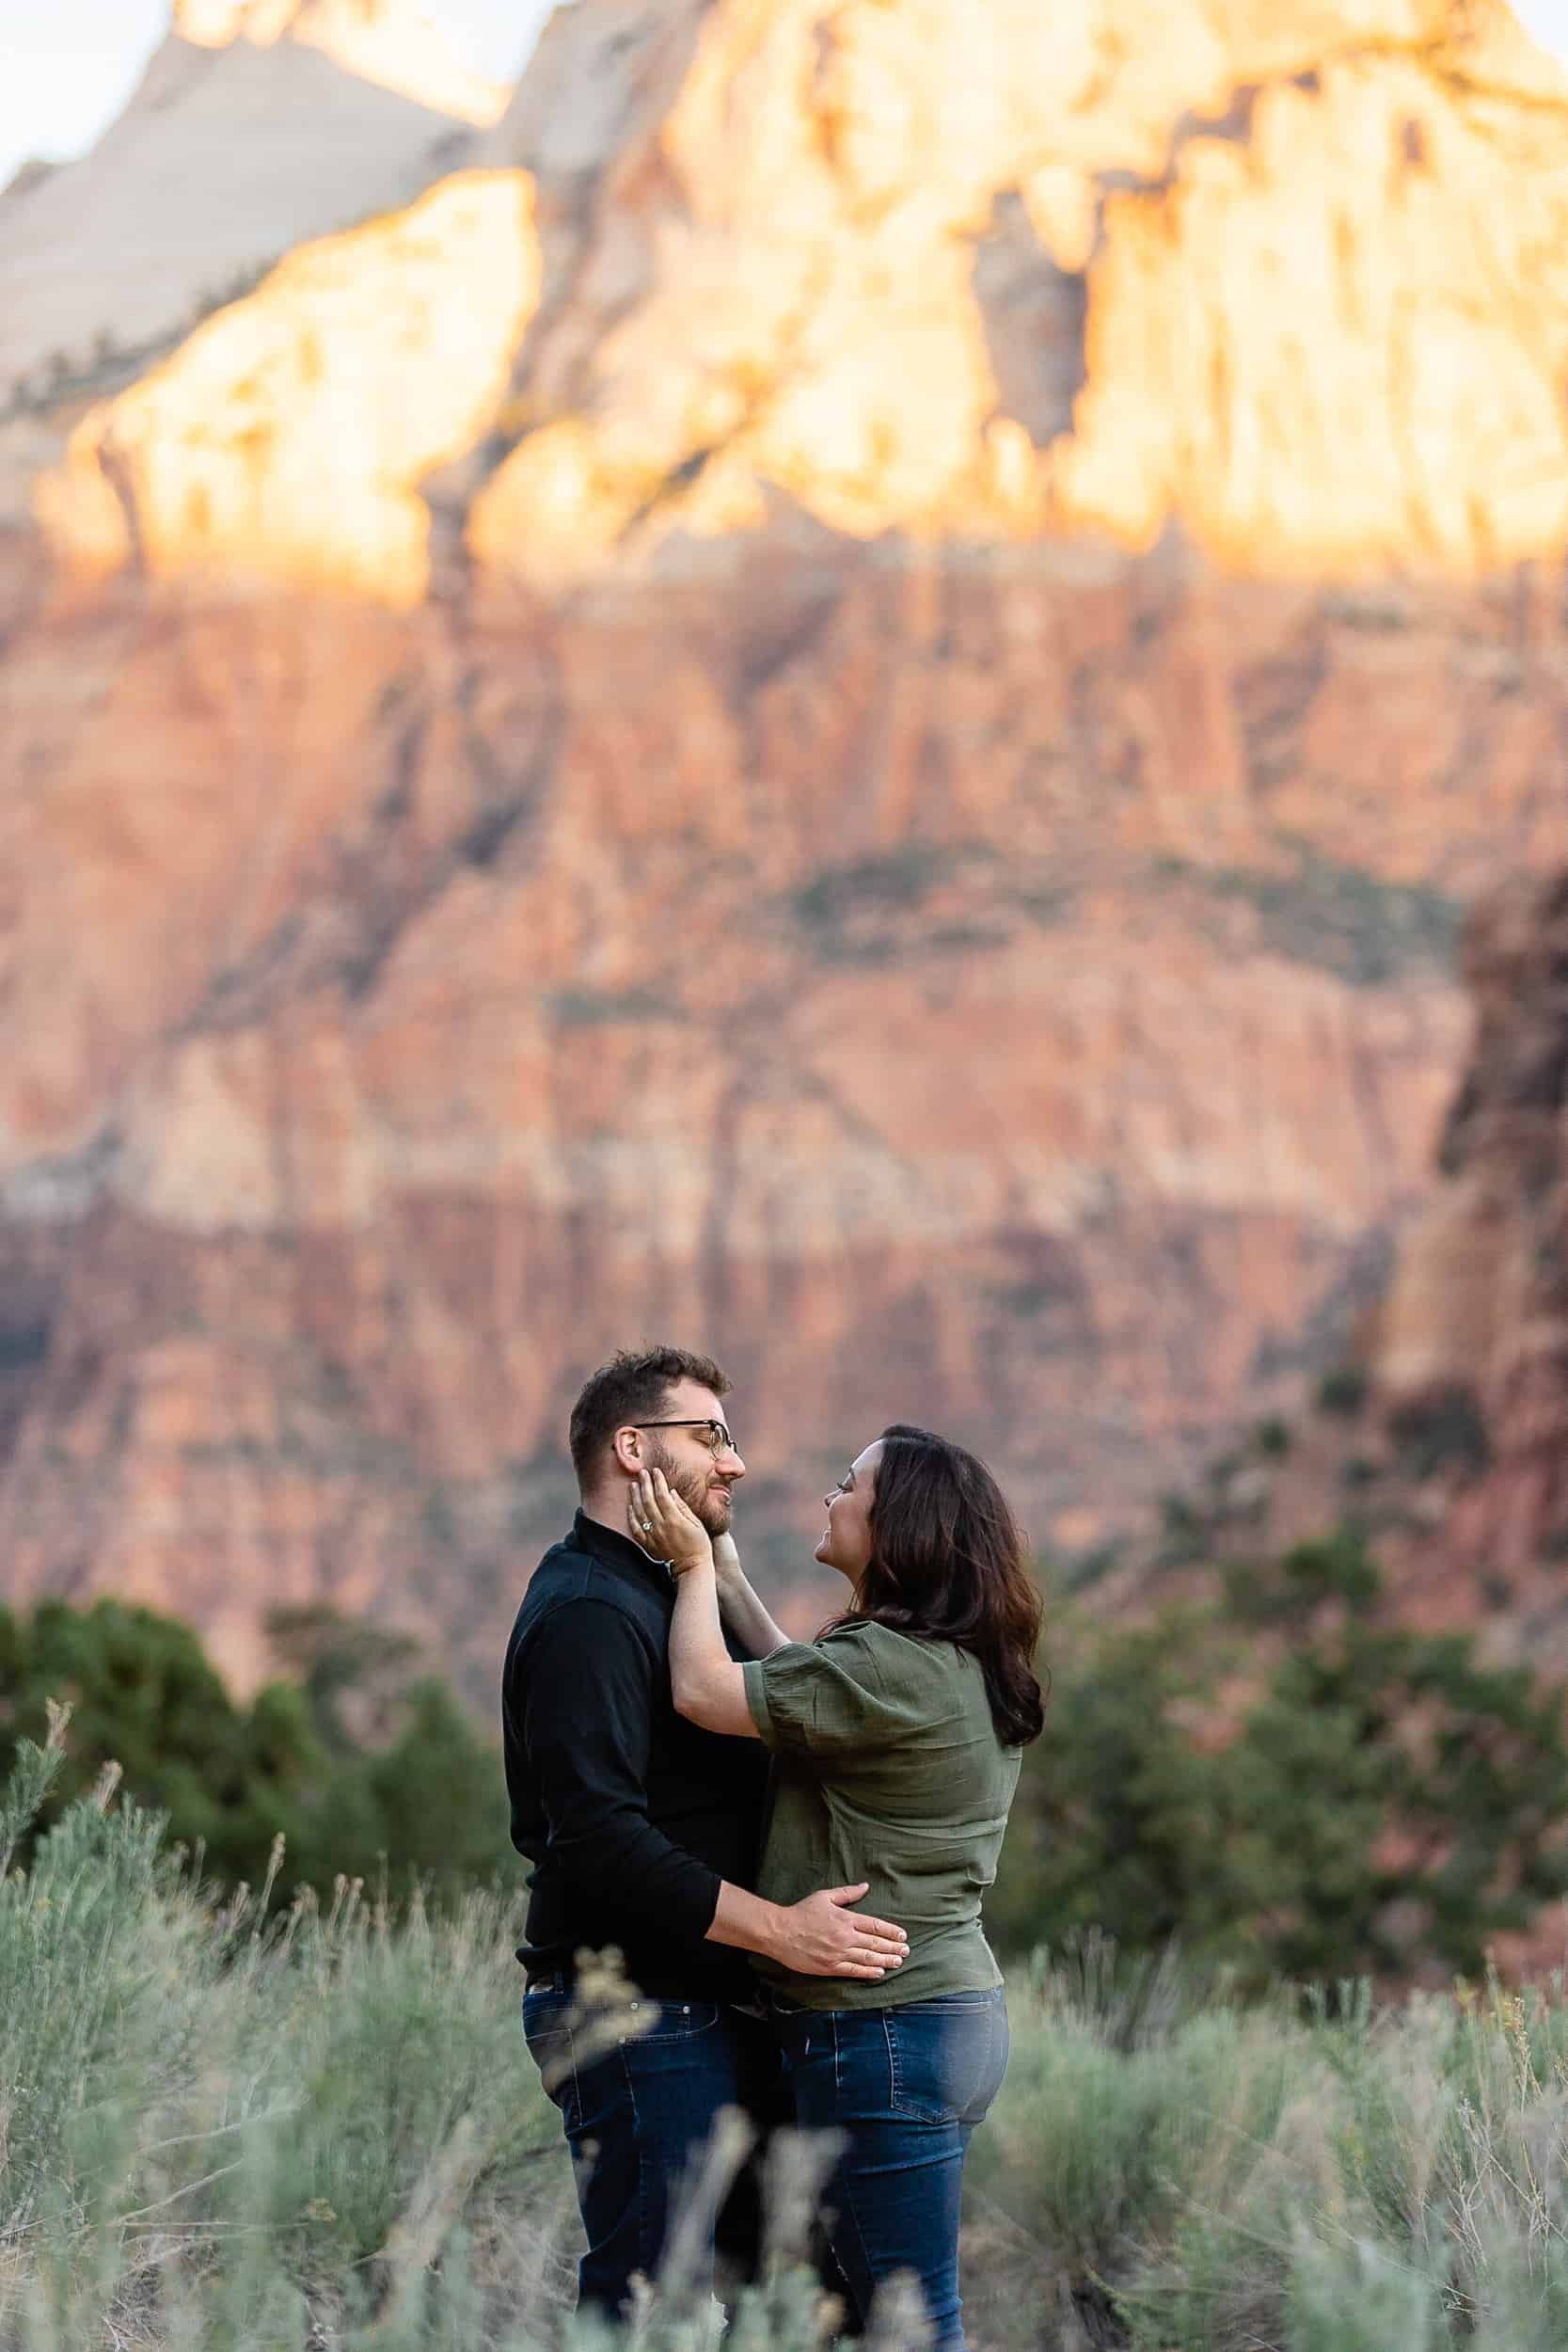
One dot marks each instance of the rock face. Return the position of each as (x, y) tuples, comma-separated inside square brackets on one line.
[(1475, 1326), (395, 44), (842, 701), (255, 126), (1440, 1435)]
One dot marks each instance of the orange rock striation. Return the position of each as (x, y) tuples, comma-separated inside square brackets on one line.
[(840, 700), (257, 123), (273, 441)]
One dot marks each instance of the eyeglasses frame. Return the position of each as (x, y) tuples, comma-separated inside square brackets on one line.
[(702, 1420)]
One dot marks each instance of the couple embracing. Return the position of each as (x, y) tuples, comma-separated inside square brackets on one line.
[(729, 1808)]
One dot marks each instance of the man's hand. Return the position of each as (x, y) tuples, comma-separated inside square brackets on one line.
[(820, 1937)]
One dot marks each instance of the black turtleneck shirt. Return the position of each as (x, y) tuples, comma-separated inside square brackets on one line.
[(630, 1815)]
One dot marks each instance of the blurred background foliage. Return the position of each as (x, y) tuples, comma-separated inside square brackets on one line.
[(363, 1764), (1289, 1783)]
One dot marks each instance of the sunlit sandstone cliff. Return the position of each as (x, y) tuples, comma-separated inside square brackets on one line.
[(395, 44), (1293, 277), (257, 123), (843, 699)]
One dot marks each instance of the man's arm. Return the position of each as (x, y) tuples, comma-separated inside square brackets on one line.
[(586, 1724)]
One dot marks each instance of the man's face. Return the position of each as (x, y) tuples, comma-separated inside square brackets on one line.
[(703, 1480)]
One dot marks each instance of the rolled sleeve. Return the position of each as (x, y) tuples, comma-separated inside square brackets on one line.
[(756, 1681), (827, 1698)]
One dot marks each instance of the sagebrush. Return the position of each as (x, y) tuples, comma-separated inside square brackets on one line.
[(319, 2132)]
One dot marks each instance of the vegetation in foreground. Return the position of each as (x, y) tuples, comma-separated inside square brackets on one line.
[(320, 2133)]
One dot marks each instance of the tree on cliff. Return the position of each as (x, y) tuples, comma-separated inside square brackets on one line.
[(1375, 1800)]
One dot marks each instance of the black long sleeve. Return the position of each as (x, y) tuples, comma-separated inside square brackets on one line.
[(587, 1729), (632, 1818)]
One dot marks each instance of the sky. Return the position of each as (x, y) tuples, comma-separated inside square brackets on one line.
[(67, 67)]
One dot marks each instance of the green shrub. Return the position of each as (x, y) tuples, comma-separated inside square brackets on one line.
[(1378, 1801), (1344, 919), (893, 880), (1344, 1390), (229, 2134), (412, 1788), (1361, 2298), (1442, 1431)]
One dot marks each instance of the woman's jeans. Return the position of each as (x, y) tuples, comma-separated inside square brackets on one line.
[(906, 2087), (639, 2115)]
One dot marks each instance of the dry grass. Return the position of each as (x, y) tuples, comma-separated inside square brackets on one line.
[(323, 2133)]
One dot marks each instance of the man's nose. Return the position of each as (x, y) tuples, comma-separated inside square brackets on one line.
[(730, 1464)]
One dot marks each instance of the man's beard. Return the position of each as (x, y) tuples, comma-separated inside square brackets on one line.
[(695, 1488)]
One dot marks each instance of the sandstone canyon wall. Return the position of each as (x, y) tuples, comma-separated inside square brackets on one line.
[(841, 699), (257, 123), (1474, 1327)]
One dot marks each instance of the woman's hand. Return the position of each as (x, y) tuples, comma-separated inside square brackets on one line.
[(664, 1525)]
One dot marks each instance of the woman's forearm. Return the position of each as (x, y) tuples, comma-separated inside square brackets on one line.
[(743, 1612), (705, 1682), (747, 1617), (697, 1650)]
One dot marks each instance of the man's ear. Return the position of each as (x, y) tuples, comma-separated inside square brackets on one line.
[(628, 1451)]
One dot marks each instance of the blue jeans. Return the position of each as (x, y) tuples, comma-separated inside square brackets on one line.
[(906, 2086), (638, 2116)]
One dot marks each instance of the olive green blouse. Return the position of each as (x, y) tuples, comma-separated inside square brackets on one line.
[(888, 1768)]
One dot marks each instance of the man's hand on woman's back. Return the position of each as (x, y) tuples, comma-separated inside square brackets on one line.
[(819, 1936)]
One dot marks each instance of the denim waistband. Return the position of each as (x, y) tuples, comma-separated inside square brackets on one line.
[(563, 1980)]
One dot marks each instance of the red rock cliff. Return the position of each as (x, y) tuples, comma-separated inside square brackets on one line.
[(1474, 1325), (840, 701)]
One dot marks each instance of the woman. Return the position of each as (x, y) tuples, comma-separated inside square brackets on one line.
[(897, 1736)]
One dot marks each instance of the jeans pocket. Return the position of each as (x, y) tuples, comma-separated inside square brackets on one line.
[(946, 2057), (546, 2030)]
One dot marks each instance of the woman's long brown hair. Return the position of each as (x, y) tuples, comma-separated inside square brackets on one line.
[(948, 1562)]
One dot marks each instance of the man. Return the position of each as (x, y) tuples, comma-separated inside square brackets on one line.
[(644, 1833)]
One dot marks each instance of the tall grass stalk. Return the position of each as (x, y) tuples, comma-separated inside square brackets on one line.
[(226, 2132)]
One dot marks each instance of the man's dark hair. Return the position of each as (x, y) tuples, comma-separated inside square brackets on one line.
[(632, 1386)]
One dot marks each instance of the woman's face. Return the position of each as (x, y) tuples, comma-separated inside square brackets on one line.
[(845, 1544)]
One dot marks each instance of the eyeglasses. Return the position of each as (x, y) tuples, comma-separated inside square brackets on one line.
[(718, 1438)]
